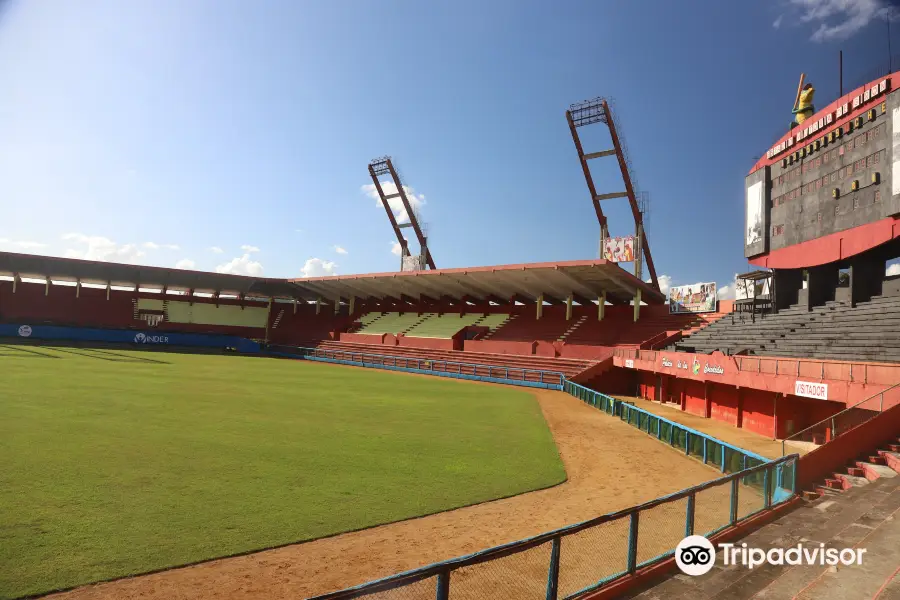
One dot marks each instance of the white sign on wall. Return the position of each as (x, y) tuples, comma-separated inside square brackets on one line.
[(754, 213), (819, 391), (629, 364)]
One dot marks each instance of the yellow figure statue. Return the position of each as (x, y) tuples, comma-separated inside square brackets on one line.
[(805, 108)]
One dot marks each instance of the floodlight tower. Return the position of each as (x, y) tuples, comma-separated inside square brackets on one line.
[(383, 166), (598, 111)]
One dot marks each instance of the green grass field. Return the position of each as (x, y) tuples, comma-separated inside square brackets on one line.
[(116, 462)]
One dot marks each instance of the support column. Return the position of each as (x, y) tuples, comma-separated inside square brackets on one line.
[(337, 305), (78, 288), (107, 290), (639, 251), (16, 280), (269, 318), (352, 304), (540, 307), (295, 306), (740, 408), (318, 305), (569, 307), (775, 417), (601, 306), (604, 235), (46, 286), (637, 305)]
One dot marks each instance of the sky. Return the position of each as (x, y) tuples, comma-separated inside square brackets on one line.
[(234, 136)]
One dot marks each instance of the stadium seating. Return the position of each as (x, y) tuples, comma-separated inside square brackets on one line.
[(391, 323), (568, 366), (443, 326), (304, 327), (834, 331)]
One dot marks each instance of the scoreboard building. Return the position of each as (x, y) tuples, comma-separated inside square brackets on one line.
[(822, 206)]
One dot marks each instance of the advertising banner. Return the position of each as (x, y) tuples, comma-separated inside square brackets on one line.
[(745, 289), (619, 249), (696, 298)]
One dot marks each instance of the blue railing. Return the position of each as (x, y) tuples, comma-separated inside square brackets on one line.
[(442, 368), (571, 561), (727, 457)]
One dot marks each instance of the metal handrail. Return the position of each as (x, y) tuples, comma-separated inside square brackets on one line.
[(838, 414)]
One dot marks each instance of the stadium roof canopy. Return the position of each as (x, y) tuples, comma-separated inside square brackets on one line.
[(584, 280)]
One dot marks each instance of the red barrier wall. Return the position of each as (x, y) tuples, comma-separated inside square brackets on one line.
[(580, 351), (362, 338), (494, 347), (421, 342), (824, 460)]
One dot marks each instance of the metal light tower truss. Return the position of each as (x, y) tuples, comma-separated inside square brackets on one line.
[(383, 166), (594, 111)]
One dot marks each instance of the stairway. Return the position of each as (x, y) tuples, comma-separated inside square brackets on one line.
[(491, 333), (863, 515), (884, 462), (277, 319), (421, 320), (572, 329)]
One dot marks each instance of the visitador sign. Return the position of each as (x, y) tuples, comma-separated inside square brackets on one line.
[(819, 391), (842, 110)]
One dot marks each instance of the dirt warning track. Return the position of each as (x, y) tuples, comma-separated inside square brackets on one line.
[(610, 466)]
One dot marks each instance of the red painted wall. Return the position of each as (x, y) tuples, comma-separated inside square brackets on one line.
[(494, 347), (723, 403), (695, 398), (420, 342)]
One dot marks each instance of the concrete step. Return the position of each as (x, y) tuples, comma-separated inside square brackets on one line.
[(850, 481), (872, 471), (891, 459)]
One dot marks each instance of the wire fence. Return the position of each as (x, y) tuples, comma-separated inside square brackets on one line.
[(427, 366), (568, 562)]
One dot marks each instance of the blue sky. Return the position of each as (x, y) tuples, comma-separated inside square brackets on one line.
[(235, 135)]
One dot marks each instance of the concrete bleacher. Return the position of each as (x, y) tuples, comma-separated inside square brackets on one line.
[(391, 323), (568, 366), (442, 326), (624, 332), (428, 325), (870, 331)]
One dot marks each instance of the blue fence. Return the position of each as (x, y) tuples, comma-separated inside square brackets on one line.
[(442, 368), (149, 338), (571, 561), (727, 457)]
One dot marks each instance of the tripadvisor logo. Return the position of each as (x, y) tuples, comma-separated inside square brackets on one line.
[(695, 555)]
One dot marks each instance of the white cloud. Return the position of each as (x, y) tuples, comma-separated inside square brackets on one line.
[(95, 247), (216, 250), (838, 19), (155, 246), (396, 248), (316, 267), (242, 265), (665, 282), (415, 200), (249, 249), (21, 244), (725, 292), (893, 269), (777, 22), (340, 250), (185, 263)]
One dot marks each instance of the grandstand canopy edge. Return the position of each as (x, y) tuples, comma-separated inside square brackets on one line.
[(584, 280)]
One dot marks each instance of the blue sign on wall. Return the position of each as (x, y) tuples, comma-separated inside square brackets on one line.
[(127, 336)]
